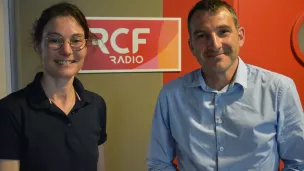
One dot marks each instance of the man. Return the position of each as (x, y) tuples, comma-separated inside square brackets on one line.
[(227, 115)]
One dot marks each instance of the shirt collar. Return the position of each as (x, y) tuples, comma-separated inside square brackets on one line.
[(38, 98), (240, 77)]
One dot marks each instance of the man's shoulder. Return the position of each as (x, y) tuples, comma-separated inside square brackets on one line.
[(181, 82), (259, 74)]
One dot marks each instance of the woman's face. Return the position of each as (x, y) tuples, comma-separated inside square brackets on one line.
[(63, 47)]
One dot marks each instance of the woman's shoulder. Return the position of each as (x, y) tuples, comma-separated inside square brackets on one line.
[(95, 98), (13, 103), (13, 99)]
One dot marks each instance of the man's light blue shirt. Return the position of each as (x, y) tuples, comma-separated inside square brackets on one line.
[(250, 126)]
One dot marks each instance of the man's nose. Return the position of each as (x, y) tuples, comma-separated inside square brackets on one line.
[(214, 42)]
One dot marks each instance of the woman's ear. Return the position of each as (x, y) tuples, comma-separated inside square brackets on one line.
[(37, 48)]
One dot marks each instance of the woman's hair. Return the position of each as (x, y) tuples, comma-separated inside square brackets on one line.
[(59, 9)]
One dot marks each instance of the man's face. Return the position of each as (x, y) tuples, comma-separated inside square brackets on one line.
[(215, 40)]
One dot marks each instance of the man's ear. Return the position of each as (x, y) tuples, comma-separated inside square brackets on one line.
[(241, 34), (190, 45)]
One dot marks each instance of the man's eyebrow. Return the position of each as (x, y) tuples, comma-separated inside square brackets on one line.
[(224, 27), (199, 31)]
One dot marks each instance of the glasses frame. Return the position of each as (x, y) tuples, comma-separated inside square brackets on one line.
[(61, 44)]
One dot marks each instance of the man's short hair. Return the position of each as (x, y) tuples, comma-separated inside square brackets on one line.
[(211, 6)]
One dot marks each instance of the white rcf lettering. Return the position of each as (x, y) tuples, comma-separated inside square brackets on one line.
[(136, 41)]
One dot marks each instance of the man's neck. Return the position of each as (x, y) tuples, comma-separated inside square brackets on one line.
[(219, 80)]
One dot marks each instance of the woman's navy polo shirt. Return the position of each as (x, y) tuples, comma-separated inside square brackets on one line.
[(43, 138)]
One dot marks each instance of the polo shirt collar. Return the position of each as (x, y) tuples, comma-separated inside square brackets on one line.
[(38, 98)]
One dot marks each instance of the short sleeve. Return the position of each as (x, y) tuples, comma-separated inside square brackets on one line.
[(103, 122), (9, 133)]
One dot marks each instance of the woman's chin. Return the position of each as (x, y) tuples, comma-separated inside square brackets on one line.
[(65, 73)]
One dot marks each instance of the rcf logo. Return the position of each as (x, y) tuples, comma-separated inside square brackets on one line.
[(107, 41), (133, 44)]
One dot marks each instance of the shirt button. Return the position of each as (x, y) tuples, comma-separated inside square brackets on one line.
[(219, 121), (70, 125), (221, 148)]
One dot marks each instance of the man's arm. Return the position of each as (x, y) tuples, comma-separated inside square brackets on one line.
[(9, 165), (162, 145), (290, 127), (101, 163)]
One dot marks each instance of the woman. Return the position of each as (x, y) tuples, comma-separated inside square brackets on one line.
[(54, 124)]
